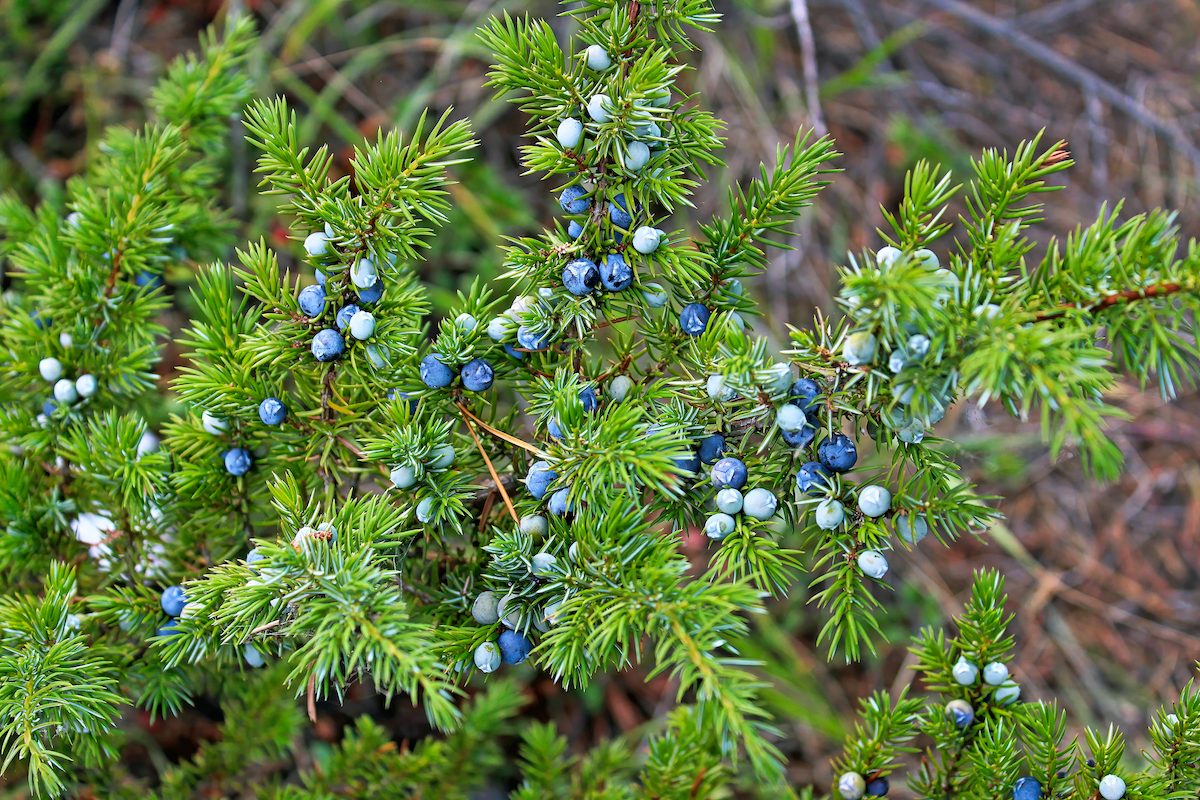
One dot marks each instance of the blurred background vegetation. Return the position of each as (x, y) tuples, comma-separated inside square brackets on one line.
[(1106, 578)]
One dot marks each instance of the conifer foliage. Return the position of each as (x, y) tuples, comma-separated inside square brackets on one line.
[(348, 490)]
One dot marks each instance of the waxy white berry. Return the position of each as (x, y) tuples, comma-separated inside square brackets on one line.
[(51, 369)]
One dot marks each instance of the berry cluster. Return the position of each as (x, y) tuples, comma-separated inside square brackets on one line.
[(64, 391), (853, 786), (729, 476), (513, 644), (350, 316)]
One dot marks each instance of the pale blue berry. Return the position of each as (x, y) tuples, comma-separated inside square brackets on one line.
[(532, 340), (500, 328), (543, 564), (597, 58), (237, 461), (655, 295), (829, 514), (874, 501), (599, 108), (851, 786), (85, 385), (363, 274), (760, 504), (465, 322), (376, 356), (509, 617), (487, 657), (51, 369), (730, 501), (1007, 693), (718, 526), (964, 672), (316, 244), (441, 457), (637, 155), (995, 673), (253, 658), (618, 388), (928, 258), (403, 476), (718, 390), (873, 564), (64, 391), (569, 133), (886, 256), (790, 418), (859, 348), (533, 525), (1112, 787), (425, 510), (362, 325), (485, 608), (646, 239)]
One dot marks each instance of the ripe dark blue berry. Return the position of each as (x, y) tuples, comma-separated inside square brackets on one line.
[(804, 394), (581, 276), (877, 787), (838, 453), (237, 461), (800, 438), (729, 473), (344, 314), (587, 396), (693, 319), (371, 294), (272, 411), (328, 345), (173, 600), (1027, 788), (560, 503), (812, 478), (689, 464), (712, 447), (615, 273), (312, 300), (478, 375), (539, 478), (514, 647), (618, 212), (553, 428), (434, 373), (574, 229), (574, 200)]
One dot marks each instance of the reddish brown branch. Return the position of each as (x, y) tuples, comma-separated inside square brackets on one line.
[(1128, 296)]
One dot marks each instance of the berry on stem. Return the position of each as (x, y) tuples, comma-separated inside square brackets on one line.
[(730, 501), (272, 411), (569, 133), (484, 609), (718, 526), (362, 325), (1025, 788), (574, 200), (960, 713), (851, 786), (873, 564), (711, 448), (646, 239), (760, 504), (581, 276), (829, 514), (173, 600), (434, 372), (1112, 787), (539, 478), (316, 244), (328, 345), (618, 212), (312, 300), (838, 453), (487, 657), (874, 501), (237, 461), (878, 787), (813, 478), (615, 273), (964, 672), (51, 369), (597, 58), (478, 375), (729, 472), (403, 476), (995, 673), (514, 647), (693, 319)]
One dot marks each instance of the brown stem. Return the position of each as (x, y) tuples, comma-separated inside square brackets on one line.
[(1127, 296)]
